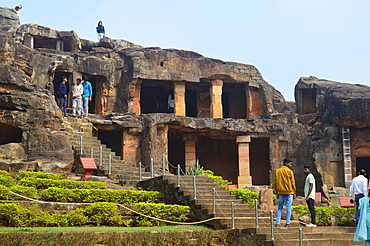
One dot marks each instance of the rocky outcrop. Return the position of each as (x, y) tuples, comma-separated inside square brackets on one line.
[(8, 17)]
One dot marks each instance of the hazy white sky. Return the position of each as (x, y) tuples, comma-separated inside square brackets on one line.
[(284, 39)]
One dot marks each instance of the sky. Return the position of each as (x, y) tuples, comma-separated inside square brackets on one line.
[(284, 39)]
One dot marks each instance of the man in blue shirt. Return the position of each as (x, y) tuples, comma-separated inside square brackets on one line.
[(63, 95), (86, 96)]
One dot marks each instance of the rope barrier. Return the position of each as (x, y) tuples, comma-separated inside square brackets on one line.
[(129, 209)]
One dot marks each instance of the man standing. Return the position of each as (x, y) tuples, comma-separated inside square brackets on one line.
[(77, 96), (286, 190), (63, 94), (86, 95), (309, 194), (359, 189)]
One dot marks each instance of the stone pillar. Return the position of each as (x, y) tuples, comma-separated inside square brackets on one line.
[(244, 178), (190, 149), (179, 93), (28, 40), (130, 146), (162, 143), (59, 45), (136, 100), (216, 98)]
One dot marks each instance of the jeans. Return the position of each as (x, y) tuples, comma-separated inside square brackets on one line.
[(85, 102), (63, 104), (76, 103), (311, 208), (288, 199), (357, 202), (100, 35)]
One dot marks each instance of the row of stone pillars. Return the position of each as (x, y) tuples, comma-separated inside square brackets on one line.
[(244, 178), (179, 94)]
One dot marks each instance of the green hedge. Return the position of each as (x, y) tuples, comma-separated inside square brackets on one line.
[(4, 173), (100, 213), (344, 216), (41, 183), (6, 181), (247, 195), (30, 192), (176, 213), (41, 175), (100, 195)]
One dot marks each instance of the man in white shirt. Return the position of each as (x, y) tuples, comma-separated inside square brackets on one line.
[(77, 98), (359, 189), (309, 194)]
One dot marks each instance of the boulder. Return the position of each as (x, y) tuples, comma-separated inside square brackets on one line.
[(8, 16)]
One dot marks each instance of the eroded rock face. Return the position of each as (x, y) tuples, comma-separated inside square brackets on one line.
[(8, 17)]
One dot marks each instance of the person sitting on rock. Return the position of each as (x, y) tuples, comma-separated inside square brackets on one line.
[(17, 8), (100, 30)]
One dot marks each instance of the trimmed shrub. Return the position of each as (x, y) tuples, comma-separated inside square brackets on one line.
[(103, 213), (41, 175), (100, 195), (4, 173), (40, 183), (6, 181), (247, 195), (162, 211), (344, 216), (22, 190)]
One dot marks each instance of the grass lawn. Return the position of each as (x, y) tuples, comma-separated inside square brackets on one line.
[(103, 229)]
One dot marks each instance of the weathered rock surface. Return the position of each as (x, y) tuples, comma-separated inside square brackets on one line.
[(8, 16)]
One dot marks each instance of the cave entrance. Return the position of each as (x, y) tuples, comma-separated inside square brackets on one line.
[(42, 42), (308, 100), (176, 150), (113, 139), (10, 134), (363, 163), (150, 95), (260, 161), (191, 103), (218, 155), (234, 101), (58, 75), (100, 86)]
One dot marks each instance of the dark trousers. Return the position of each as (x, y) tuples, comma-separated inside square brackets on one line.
[(357, 201), (63, 104), (311, 208)]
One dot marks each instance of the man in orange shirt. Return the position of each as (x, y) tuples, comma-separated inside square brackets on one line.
[(285, 189)]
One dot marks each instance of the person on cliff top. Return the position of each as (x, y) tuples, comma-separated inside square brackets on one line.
[(100, 30), (86, 96), (171, 102), (161, 100), (359, 189), (63, 95), (309, 194), (285, 188), (17, 8), (77, 98)]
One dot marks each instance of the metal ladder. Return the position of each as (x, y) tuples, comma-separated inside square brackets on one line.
[(346, 138)]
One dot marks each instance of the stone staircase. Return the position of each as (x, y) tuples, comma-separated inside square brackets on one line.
[(202, 208), (126, 175)]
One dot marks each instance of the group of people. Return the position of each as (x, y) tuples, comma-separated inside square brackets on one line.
[(165, 104), (81, 96), (285, 189)]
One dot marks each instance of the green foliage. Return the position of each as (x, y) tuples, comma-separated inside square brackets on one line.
[(104, 213), (247, 195), (22, 190), (77, 217), (195, 169), (4, 173), (43, 183), (324, 215), (161, 211), (41, 175), (6, 181), (100, 195)]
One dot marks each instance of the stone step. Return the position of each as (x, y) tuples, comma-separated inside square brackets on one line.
[(190, 190), (312, 242), (323, 229)]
